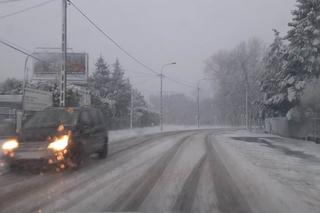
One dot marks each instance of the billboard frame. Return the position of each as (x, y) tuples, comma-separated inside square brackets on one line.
[(73, 77)]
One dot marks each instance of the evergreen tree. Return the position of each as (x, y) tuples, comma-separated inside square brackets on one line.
[(111, 93), (101, 79), (303, 55), (304, 38), (275, 99), (118, 73), (100, 86), (120, 93)]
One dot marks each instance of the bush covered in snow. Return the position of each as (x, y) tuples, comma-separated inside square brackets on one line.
[(295, 114), (310, 99)]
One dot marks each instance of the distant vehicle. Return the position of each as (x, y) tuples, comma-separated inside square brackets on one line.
[(60, 136)]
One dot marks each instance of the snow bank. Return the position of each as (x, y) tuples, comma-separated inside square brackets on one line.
[(264, 175)]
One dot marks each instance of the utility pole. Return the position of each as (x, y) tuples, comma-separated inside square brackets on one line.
[(63, 74), (247, 95), (247, 108), (198, 110), (161, 103), (25, 78), (131, 109)]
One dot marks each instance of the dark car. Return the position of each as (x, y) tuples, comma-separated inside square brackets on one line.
[(60, 136)]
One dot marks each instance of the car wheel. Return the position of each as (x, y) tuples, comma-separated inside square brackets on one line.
[(13, 167), (76, 157), (103, 153)]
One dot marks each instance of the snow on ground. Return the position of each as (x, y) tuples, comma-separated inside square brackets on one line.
[(205, 199), (117, 135), (113, 182), (277, 173), (165, 191)]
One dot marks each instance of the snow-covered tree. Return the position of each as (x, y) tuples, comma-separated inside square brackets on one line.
[(111, 92), (120, 93), (310, 98), (288, 68), (275, 98), (11, 86), (304, 38), (234, 72), (303, 55), (100, 81), (117, 74), (100, 86)]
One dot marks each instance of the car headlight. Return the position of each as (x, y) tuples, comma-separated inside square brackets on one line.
[(10, 145), (59, 144)]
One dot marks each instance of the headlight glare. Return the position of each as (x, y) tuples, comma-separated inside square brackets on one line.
[(10, 145), (59, 144)]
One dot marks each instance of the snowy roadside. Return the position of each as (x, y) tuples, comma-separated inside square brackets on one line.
[(275, 173)]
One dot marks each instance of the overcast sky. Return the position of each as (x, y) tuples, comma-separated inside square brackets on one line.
[(155, 31)]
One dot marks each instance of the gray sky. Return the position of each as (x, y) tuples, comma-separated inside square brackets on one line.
[(155, 31)]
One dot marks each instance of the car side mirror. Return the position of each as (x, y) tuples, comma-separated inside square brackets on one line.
[(85, 126)]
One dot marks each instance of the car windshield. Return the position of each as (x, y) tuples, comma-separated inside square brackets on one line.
[(52, 118)]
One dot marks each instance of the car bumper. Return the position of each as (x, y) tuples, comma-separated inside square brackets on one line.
[(34, 157)]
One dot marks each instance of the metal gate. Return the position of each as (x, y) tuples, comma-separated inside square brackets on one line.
[(314, 130)]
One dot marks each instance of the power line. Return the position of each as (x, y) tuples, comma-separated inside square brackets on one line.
[(26, 9), (9, 1), (21, 51), (90, 21), (180, 82), (112, 40), (122, 49), (16, 45)]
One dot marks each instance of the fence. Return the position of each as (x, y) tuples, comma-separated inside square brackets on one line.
[(314, 130), (308, 129)]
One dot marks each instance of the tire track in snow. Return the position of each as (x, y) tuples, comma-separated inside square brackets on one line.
[(230, 199), (133, 197), (147, 143), (16, 180), (38, 184), (118, 149), (187, 195)]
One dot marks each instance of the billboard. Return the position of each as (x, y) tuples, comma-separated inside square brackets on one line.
[(50, 66)]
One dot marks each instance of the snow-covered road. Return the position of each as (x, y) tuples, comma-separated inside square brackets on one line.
[(177, 171)]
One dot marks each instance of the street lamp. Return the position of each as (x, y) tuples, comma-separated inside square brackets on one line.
[(198, 100), (161, 93), (131, 108)]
